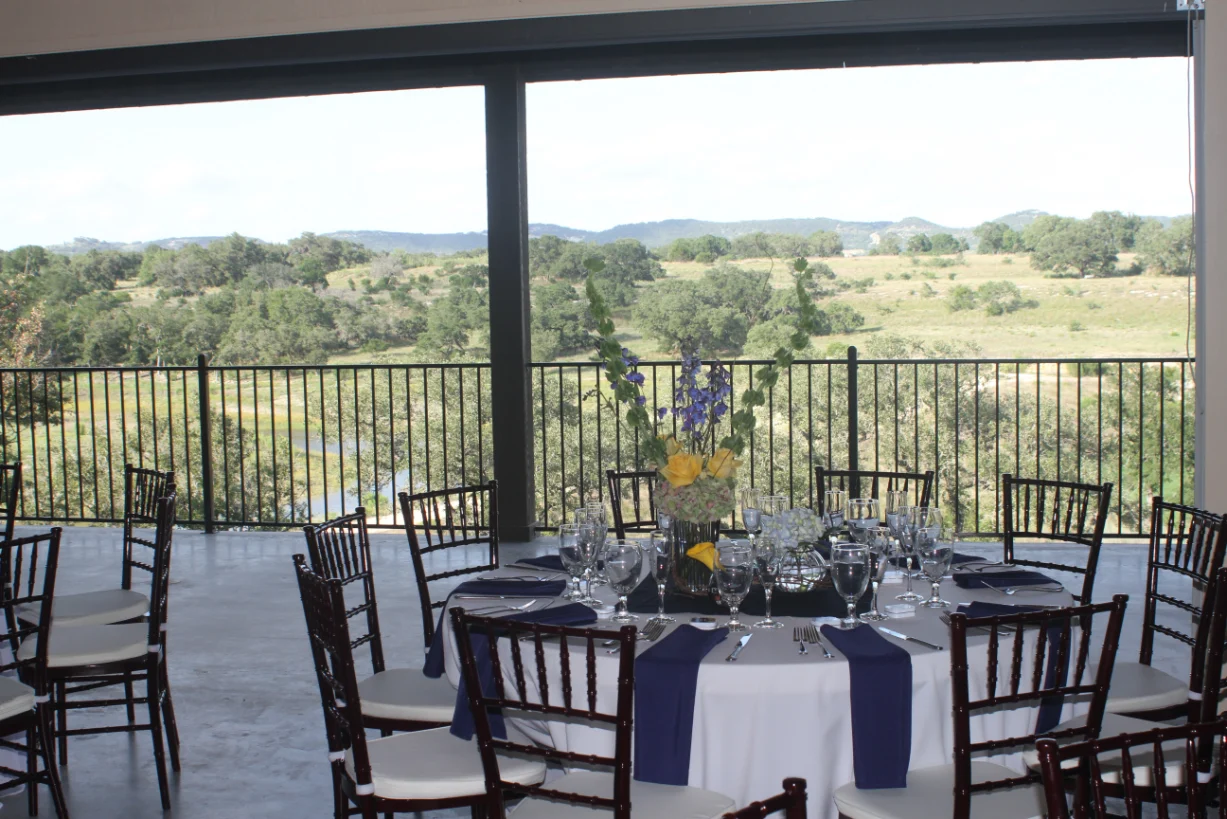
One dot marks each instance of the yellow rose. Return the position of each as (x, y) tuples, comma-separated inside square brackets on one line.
[(672, 447), (683, 469), (722, 464), (705, 553)]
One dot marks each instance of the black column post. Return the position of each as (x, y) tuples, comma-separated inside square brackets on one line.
[(854, 459), (510, 347)]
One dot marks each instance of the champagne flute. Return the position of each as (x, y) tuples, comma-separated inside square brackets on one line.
[(591, 518), (768, 559), (879, 543), (904, 532), (863, 515), (751, 510), (661, 553), (623, 563), (569, 553), (850, 573), (834, 505), (935, 557), (734, 573)]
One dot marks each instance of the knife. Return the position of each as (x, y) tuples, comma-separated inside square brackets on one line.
[(740, 645), (903, 636)]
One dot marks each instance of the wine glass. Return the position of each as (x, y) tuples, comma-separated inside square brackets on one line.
[(895, 500), (768, 559), (879, 542), (660, 551), (569, 553), (935, 557), (623, 562), (862, 515), (751, 510), (734, 573), (924, 517), (903, 532), (834, 504), (589, 554), (850, 573), (591, 518)]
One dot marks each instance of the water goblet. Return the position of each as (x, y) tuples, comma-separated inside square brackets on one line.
[(924, 517), (880, 543), (734, 573), (768, 559), (862, 516), (623, 563), (935, 557), (569, 553), (660, 551), (834, 505), (850, 574), (751, 510)]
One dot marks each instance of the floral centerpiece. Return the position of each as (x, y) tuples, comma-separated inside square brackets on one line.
[(697, 465)]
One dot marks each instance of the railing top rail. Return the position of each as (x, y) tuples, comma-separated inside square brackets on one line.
[(177, 368), (754, 362)]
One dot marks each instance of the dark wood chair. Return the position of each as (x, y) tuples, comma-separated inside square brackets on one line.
[(1070, 513), (635, 488), (32, 561), (10, 497), (401, 773), (791, 803), (393, 699), (859, 483), (1178, 770), (464, 518), (1187, 545), (1014, 680), (84, 658), (614, 791)]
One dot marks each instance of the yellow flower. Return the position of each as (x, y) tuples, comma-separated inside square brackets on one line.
[(672, 447), (683, 469), (722, 464), (705, 553)]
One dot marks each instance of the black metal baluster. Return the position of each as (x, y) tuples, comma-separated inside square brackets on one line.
[(374, 443)]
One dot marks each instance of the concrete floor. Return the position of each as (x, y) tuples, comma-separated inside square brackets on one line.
[(246, 696)]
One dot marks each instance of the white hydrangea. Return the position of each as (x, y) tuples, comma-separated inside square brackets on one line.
[(799, 525)]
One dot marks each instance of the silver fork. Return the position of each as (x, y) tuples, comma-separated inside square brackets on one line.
[(812, 635), (796, 638)]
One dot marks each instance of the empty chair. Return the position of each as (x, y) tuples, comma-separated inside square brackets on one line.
[(86, 658), (791, 803), (393, 699), (870, 484), (980, 788), (583, 788), (24, 704), (1185, 765), (639, 489), (142, 489), (460, 527), (10, 495), (1061, 511), (415, 771)]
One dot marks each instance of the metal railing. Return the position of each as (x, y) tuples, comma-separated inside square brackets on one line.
[(277, 446)]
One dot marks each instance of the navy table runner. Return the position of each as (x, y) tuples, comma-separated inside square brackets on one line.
[(881, 675), (666, 676)]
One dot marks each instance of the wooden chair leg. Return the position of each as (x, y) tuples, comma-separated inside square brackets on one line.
[(46, 739), (155, 728), (130, 696), (172, 727), (32, 770), (61, 716)]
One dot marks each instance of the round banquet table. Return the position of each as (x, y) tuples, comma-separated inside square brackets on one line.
[(776, 713)]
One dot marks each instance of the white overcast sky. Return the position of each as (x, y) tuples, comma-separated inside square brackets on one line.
[(953, 144)]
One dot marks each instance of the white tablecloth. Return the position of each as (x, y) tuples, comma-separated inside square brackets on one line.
[(775, 713)]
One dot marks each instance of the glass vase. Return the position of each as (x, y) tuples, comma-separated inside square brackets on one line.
[(690, 576)]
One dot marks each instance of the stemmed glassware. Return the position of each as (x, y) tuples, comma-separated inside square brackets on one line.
[(834, 505), (734, 573), (569, 553), (751, 511), (879, 542), (768, 559), (660, 553), (863, 515), (935, 557), (589, 552), (901, 528), (623, 563), (850, 573), (591, 518)]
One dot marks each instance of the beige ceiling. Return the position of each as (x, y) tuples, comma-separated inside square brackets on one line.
[(47, 26)]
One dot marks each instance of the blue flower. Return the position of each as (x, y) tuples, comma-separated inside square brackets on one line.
[(662, 412), (635, 378)]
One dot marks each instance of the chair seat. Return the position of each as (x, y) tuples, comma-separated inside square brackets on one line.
[(930, 795), (648, 800), (1137, 687), (407, 694), (96, 608), (1114, 725), (91, 645), (433, 764), (15, 698)]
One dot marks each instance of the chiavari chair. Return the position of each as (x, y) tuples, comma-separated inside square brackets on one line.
[(637, 488), (791, 803), (860, 483)]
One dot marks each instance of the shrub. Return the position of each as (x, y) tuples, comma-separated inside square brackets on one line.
[(961, 297), (1076, 326)]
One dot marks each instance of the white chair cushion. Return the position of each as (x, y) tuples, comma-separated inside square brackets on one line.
[(433, 764), (91, 645), (648, 800), (407, 693), (15, 698), (1114, 725), (96, 608), (930, 795), (1137, 687)]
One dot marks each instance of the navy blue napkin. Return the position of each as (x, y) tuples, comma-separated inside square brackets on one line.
[(1001, 578), (1050, 707), (550, 563), (959, 560), (493, 586), (881, 674), (665, 679), (572, 614)]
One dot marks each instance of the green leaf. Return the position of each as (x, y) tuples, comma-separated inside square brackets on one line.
[(594, 264), (800, 264)]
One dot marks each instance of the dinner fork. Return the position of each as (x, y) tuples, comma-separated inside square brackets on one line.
[(811, 634), (796, 638)]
